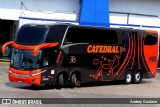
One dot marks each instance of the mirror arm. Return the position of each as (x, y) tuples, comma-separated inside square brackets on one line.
[(5, 45), (42, 46)]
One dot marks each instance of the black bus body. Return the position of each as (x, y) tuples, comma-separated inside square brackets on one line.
[(64, 53)]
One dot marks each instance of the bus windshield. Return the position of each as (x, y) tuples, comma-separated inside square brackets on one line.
[(31, 35), (23, 59)]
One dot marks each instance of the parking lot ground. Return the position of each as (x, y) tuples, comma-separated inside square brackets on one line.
[(149, 88)]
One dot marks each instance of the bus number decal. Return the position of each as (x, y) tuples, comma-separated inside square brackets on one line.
[(73, 59)]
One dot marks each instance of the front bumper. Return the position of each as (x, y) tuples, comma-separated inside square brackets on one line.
[(24, 76), (28, 80)]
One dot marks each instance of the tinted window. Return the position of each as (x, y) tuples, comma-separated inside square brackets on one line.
[(56, 33), (31, 35), (124, 37), (150, 39), (91, 35)]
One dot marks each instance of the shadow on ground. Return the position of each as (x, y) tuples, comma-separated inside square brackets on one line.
[(51, 87)]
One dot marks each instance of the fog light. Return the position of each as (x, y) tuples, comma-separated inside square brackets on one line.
[(34, 80)]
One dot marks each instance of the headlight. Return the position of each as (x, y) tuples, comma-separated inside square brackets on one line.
[(10, 72), (37, 73)]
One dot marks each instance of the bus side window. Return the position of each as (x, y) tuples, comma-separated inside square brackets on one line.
[(150, 39), (48, 60), (122, 37), (90, 35), (45, 61), (55, 34)]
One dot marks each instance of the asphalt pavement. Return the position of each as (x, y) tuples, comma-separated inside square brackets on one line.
[(149, 88)]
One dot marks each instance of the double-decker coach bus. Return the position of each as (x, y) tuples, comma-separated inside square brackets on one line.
[(73, 54)]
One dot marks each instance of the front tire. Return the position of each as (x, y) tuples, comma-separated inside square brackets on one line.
[(128, 78), (60, 80)]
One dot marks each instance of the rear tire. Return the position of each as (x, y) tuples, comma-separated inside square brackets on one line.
[(129, 77), (75, 82), (137, 77)]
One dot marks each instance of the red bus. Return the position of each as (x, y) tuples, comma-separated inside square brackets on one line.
[(73, 54)]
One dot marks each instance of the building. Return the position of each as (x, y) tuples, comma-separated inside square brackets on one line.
[(139, 14)]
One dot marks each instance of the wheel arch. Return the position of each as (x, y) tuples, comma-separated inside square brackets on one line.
[(130, 69), (62, 72), (77, 72), (140, 70)]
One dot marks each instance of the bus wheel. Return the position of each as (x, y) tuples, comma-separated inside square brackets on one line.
[(137, 77), (60, 80), (128, 78), (75, 82)]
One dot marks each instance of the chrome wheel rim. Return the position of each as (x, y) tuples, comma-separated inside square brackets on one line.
[(128, 78), (137, 76)]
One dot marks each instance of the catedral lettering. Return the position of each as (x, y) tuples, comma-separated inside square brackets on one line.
[(102, 49), (72, 54)]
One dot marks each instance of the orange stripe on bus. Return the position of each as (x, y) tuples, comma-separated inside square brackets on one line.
[(134, 50), (23, 47), (139, 50), (151, 31), (42, 46), (129, 58), (125, 58), (35, 48), (5, 45)]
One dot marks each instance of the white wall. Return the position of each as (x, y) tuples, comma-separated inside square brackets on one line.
[(43, 5), (116, 18), (12, 9), (151, 7), (140, 13), (23, 21)]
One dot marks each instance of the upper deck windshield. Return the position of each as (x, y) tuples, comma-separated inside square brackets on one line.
[(35, 35), (23, 59), (31, 35)]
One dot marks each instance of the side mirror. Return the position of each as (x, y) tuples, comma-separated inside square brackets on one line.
[(5, 45)]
